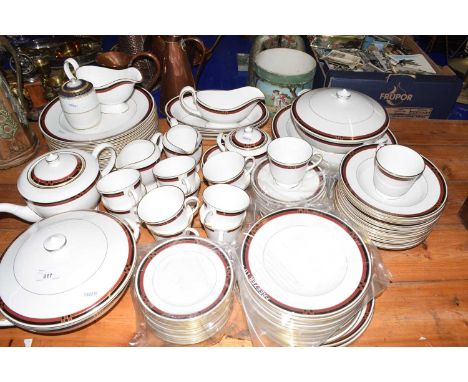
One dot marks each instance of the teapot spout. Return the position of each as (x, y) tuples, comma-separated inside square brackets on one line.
[(23, 212)]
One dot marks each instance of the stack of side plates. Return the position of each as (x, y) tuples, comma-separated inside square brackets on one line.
[(210, 130), (306, 280), (140, 121), (185, 289), (269, 196), (392, 223)]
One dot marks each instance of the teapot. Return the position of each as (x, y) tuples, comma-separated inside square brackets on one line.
[(59, 181)]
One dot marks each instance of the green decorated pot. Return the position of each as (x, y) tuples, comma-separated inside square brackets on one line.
[(281, 74)]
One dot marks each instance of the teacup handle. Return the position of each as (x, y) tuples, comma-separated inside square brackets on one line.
[(156, 139), (314, 164), (188, 109), (192, 200), (249, 160), (134, 226), (190, 230), (220, 140), (66, 67), (187, 184), (99, 149), (133, 195)]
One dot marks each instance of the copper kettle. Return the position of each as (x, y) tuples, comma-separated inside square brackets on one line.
[(18, 143), (174, 54)]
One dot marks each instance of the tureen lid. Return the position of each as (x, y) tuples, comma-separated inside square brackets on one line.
[(249, 139), (58, 175), (64, 269), (340, 114)]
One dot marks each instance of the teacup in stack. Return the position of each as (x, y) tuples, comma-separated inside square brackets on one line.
[(391, 192)]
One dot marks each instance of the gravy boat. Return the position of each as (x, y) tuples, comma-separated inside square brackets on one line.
[(113, 86), (222, 106)]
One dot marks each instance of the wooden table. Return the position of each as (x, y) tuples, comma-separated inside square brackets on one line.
[(426, 303)]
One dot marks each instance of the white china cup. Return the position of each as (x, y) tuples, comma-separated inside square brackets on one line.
[(290, 159), (224, 205), (223, 236), (229, 167), (166, 212), (121, 190), (179, 171), (142, 155), (396, 169)]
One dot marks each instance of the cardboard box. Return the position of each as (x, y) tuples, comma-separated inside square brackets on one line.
[(403, 95)]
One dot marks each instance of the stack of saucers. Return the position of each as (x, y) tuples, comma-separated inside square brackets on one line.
[(139, 121), (210, 130), (269, 196), (306, 280), (392, 223), (184, 287)]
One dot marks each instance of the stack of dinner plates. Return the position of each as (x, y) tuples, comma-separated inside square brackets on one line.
[(391, 223), (306, 279), (269, 196), (139, 121), (210, 130), (184, 287)]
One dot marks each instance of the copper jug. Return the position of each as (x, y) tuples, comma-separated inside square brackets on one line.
[(18, 143), (176, 71)]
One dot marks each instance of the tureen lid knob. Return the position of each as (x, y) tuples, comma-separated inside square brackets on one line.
[(52, 157), (343, 94), (55, 242)]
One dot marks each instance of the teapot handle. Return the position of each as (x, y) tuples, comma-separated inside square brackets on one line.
[(157, 72), (66, 67), (110, 165), (188, 108)]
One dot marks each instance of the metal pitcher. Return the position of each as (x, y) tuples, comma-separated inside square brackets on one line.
[(18, 143), (173, 53)]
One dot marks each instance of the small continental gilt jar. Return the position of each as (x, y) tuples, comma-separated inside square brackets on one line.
[(80, 104)]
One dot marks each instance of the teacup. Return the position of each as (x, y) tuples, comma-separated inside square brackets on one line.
[(142, 155), (229, 167), (179, 171), (224, 205), (290, 159), (121, 190), (166, 212), (223, 236), (396, 169)]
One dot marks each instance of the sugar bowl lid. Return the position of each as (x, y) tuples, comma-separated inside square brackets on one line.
[(340, 114), (58, 175), (249, 140), (65, 270)]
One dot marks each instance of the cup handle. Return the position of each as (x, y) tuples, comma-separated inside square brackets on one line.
[(187, 184), (204, 218), (99, 149), (133, 195), (188, 109), (313, 165), (192, 200), (220, 140), (252, 161), (66, 67), (134, 227), (157, 64), (156, 139), (190, 230)]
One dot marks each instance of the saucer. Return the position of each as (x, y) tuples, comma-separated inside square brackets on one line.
[(310, 187), (174, 109), (53, 123), (427, 195), (283, 126)]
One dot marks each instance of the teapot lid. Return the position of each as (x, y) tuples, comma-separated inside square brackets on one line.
[(248, 138), (58, 176), (340, 114), (65, 266)]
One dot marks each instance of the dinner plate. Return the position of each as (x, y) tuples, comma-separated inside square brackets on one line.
[(427, 195), (310, 187), (53, 124), (183, 278), (306, 261), (48, 287), (174, 109)]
